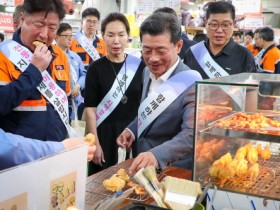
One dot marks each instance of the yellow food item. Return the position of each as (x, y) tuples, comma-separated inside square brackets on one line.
[(242, 168), (114, 183), (37, 43), (214, 170), (254, 171), (121, 173), (232, 166), (266, 153), (90, 138), (259, 149), (226, 173), (224, 160), (139, 190), (240, 153), (252, 155), (248, 147)]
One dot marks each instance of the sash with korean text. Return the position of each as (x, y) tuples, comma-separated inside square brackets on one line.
[(213, 70), (88, 47), (114, 96), (206, 62), (159, 99), (258, 60), (21, 56)]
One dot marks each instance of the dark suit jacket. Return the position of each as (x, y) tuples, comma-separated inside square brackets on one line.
[(170, 136)]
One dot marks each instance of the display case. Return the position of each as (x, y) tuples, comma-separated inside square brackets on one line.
[(237, 131)]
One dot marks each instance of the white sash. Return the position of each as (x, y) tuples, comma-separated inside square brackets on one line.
[(258, 59), (88, 47), (159, 99), (206, 62), (73, 73), (21, 56), (213, 70), (114, 96)]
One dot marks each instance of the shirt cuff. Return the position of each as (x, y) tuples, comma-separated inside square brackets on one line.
[(130, 132)]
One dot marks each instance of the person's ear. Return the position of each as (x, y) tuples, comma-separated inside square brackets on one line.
[(179, 45)]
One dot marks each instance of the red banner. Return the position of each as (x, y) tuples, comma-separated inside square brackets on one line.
[(6, 22)]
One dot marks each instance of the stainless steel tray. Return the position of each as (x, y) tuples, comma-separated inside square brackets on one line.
[(266, 185)]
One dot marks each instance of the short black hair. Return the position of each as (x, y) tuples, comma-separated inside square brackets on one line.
[(63, 27), (257, 31), (267, 34), (167, 10), (249, 33), (160, 23), (91, 11), (220, 7), (236, 34), (115, 16), (200, 37), (2, 37), (56, 6), (16, 15)]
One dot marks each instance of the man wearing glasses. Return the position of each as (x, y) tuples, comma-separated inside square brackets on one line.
[(78, 72), (219, 55), (89, 46)]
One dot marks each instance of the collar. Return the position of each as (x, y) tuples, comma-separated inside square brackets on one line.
[(267, 49), (16, 37), (92, 39), (167, 74), (228, 48), (69, 53)]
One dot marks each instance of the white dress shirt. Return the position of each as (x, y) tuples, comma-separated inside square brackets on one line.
[(157, 82)]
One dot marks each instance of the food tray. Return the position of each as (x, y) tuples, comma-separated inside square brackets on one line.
[(96, 191), (269, 128), (208, 113), (266, 185)]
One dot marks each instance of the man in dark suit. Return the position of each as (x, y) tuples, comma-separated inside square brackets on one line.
[(163, 129)]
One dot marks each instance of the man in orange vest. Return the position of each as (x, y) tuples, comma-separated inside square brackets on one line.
[(270, 59), (35, 76), (86, 43), (254, 48)]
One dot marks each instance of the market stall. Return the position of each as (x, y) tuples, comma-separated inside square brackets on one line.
[(95, 191)]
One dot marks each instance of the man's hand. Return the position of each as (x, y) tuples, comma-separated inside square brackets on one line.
[(143, 160), (98, 155), (125, 139), (41, 57), (74, 142), (76, 91)]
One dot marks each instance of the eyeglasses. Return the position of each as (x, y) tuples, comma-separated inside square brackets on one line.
[(215, 26), (91, 21), (67, 36)]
